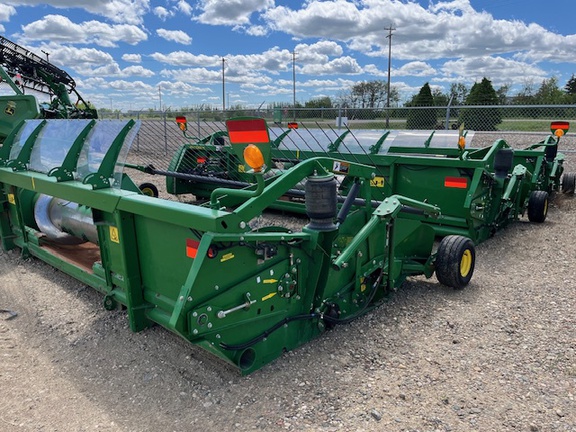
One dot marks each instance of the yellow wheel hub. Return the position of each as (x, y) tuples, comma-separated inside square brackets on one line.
[(466, 263)]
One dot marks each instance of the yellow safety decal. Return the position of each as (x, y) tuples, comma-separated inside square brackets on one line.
[(377, 182), (270, 280), (114, 236), (11, 199), (227, 257), (269, 296)]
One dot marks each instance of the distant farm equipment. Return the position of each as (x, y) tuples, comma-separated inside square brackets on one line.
[(23, 70), (479, 190)]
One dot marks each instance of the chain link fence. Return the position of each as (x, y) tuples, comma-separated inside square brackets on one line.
[(160, 141)]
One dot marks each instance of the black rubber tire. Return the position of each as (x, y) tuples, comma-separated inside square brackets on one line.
[(538, 206), (455, 260), (568, 183), (149, 189)]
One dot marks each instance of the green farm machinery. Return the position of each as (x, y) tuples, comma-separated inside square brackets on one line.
[(212, 271), (23, 70), (228, 271), (479, 190)]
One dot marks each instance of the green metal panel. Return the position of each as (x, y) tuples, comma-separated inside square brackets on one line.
[(14, 109)]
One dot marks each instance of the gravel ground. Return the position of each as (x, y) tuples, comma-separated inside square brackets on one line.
[(496, 356)]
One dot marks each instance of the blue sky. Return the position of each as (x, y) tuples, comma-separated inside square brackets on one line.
[(129, 54)]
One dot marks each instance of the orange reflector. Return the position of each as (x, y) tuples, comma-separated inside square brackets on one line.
[(292, 125), (247, 131), (461, 142), (254, 157), (192, 248), (456, 182), (201, 160)]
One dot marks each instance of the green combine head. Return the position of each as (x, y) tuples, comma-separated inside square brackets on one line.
[(480, 190), (215, 272)]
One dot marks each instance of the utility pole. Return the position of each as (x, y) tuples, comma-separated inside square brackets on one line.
[(390, 29), (160, 96), (294, 83), (223, 87)]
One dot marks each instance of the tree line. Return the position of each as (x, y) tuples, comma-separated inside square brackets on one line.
[(374, 95)]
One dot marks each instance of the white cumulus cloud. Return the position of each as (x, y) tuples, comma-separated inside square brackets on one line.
[(175, 36), (58, 28)]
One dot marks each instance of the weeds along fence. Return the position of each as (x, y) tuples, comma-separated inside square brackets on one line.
[(159, 137)]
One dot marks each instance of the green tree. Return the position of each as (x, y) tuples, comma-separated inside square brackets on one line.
[(549, 93), (317, 106), (570, 86), (458, 93), (481, 93), (502, 93), (440, 98), (418, 117), (526, 95), (322, 102), (570, 89), (369, 94)]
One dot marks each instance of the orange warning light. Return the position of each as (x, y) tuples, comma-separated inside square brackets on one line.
[(254, 157)]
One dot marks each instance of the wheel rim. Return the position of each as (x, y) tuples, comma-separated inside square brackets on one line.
[(466, 263), (148, 191)]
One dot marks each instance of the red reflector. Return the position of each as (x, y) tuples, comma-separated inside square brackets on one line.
[(192, 248), (200, 160), (564, 125), (180, 119), (456, 182), (292, 125), (212, 252), (247, 131)]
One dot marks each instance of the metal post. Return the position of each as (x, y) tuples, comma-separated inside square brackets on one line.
[(165, 135), (388, 84), (138, 135), (294, 83), (223, 87), (447, 123)]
